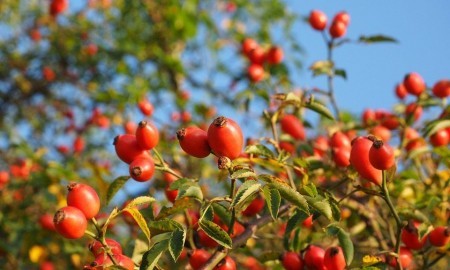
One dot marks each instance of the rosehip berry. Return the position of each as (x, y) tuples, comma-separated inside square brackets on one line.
[(400, 91), (171, 194), (415, 144), (257, 56), (314, 257), (318, 20), (442, 89), (226, 264), (147, 135), (410, 237), (381, 155), (440, 236), (146, 107), (251, 263), (414, 110), (341, 156), (255, 73), (390, 121), (254, 207), (368, 117), (130, 127), (440, 138), (288, 147), (359, 158), (58, 6), (78, 144), (142, 169), (85, 198), (414, 84), (406, 258), (337, 29), (292, 261), (225, 137), (275, 55), (194, 141), (46, 222), (70, 222), (248, 45), (97, 249), (339, 140), (381, 132), (127, 148), (308, 222), (198, 258), (334, 259), (342, 16), (292, 126)]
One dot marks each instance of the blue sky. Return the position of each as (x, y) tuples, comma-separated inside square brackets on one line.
[(421, 27)]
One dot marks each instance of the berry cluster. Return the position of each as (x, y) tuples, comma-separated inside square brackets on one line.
[(315, 257), (338, 28), (258, 56)]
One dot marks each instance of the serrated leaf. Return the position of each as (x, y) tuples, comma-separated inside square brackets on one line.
[(165, 225), (194, 192), (140, 201), (176, 243), (137, 216), (246, 190), (273, 200), (376, 38), (181, 182), (322, 207), (310, 189), (344, 241), (293, 222), (260, 150), (286, 191), (215, 232), (151, 257), (223, 212), (319, 108), (243, 173), (177, 207), (435, 126), (115, 186)]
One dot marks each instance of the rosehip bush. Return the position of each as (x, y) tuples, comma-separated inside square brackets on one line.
[(184, 143)]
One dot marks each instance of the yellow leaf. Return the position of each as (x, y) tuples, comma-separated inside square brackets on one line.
[(370, 259)]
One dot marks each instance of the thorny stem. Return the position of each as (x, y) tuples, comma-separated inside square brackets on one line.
[(398, 221)]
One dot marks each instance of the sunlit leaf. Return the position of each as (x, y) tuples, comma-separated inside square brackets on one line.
[(273, 200), (215, 232), (115, 186), (176, 243), (246, 190), (151, 257), (137, 216)]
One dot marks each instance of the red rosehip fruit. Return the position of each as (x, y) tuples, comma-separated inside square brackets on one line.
[(225, 137), (318, 20), (85, 198), (194, 141), (70, 222), (147, 135), (142, 169), (414, 83)]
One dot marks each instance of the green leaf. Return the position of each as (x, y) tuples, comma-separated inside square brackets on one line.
[(223, 212), (151, 257), (177, 207), (260, 150), (140, 201), (176, 243), (287, 192), (216, 232), (181, 182), (435, 126), (321, 206), (137, 216), (310, 189), (273, 200), (319, 108), (243, 173), (341, 73), (376, 38), (246, 190), (112, 215), (206, 212), (344, 241), (194, 192), (115, 186), (293, 222), (165, 225)]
